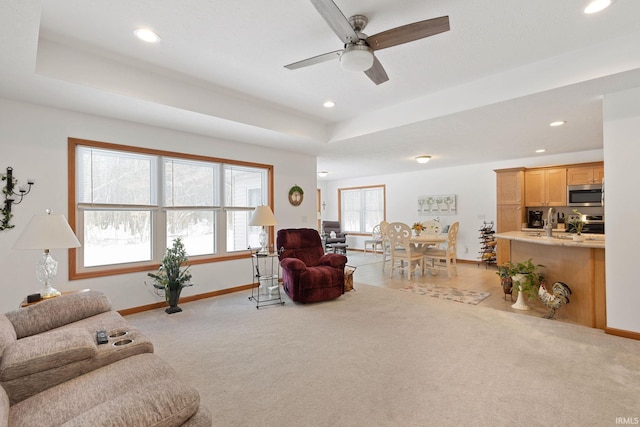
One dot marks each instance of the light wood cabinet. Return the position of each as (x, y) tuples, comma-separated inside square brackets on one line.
[(510, 212), (591, 174), (546, 187)]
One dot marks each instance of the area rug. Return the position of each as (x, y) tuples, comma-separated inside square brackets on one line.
[(445, 292)]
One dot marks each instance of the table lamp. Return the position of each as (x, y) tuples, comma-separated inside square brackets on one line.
[(263, 217), (46, 232)]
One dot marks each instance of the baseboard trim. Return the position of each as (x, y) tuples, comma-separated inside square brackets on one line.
[(622, 333), (190, 298)]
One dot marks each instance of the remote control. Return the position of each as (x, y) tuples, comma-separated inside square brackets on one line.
[(102, 337)]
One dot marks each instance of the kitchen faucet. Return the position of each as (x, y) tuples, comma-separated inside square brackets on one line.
[(548, 228)]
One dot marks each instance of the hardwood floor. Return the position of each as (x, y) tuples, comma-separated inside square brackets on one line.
[(471, 276)]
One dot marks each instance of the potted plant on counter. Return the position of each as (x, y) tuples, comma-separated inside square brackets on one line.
[(173, 275), (575, 226), (526, 277)]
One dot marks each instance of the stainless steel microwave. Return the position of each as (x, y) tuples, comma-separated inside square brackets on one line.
[(585, 195)]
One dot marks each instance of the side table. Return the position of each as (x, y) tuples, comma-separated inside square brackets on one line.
[(266, 287)]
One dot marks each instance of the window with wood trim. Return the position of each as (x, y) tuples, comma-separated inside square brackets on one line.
[(361, 208), (128, 204)]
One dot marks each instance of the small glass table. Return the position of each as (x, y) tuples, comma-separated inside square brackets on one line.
[(266, 286)]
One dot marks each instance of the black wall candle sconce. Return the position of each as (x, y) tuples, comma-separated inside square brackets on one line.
[(11, 197)]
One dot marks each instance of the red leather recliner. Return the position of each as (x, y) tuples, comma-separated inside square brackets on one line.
[(309, 275)]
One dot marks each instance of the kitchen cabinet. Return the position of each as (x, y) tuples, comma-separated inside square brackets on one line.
[(510, 207), (546, 187), (591, 174)]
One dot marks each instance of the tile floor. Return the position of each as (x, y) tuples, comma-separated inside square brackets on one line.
[(471, 276)]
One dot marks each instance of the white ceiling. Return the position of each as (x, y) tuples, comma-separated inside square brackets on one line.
[(484, 91)]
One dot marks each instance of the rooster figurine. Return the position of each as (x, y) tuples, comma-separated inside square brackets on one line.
[(560, 297)]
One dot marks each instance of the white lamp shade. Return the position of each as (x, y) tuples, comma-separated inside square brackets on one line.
[(357, 58), (263, 216), (47, 232)]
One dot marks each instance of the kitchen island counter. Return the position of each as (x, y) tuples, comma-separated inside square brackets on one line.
[(558, 238), (581, 265)]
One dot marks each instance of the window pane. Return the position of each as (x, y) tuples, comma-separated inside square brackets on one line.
[(373, 208), (195, 228), (113, 177), (189, 183), (116, 237), (240, 235), (351, 206), (241, 184), (362, 209)]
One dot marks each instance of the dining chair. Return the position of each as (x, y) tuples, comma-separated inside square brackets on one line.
[(386, 251), (444, 258), (375, 241), (403, 254)]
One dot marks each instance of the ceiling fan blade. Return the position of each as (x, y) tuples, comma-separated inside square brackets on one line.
[(315, 60), (408, 33), (376, 73), (336, 20)]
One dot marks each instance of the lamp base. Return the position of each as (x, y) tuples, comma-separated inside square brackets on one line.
[(49, 292)]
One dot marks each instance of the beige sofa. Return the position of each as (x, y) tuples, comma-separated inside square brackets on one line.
[(53, 372)]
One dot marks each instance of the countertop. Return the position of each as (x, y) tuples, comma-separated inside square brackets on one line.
[(559, 238)]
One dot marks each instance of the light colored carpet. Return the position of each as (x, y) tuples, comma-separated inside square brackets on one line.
[(445, 292), (379, 357)]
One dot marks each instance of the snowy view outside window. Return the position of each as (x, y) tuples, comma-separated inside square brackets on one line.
[(124, 198), (119, 186), (193, 188)]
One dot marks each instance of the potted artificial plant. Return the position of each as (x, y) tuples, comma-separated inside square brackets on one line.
[(173, 275), (575, 226), (526, 276)]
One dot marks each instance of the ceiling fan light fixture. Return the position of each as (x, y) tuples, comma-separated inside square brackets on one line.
[(423, 159), (357, 57)]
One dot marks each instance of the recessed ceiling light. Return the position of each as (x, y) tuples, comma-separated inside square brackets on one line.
[(597, 5), (542, 150), (322, 174), (146, 35), (423, 159), (329, 104), (558, 123)]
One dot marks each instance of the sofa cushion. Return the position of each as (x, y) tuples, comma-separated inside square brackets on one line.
[(42, 352), (55, 312), (141, 390), (7, 333), (4, 408), (161, 403)]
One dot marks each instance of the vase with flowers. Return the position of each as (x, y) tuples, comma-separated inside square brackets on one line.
[(417, 228)]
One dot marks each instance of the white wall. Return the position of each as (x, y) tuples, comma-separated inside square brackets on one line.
[(622, 151), (474, 186), (33, 140)]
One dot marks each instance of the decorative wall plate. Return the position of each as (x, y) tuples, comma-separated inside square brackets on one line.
[(296, 195)]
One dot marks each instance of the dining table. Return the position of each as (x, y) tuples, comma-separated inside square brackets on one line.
[(428, 239), (424, 241)]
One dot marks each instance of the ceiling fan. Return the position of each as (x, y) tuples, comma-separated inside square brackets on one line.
[(357, 54)]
